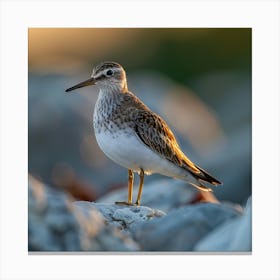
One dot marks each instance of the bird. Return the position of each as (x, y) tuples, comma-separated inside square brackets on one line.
[(135, 137)]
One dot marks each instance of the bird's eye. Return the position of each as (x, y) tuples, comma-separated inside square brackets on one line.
[(109, 73)]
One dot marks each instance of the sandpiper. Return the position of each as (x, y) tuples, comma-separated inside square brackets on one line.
[(133, 136)]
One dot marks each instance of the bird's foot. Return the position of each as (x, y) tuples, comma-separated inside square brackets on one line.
[(126, 203)]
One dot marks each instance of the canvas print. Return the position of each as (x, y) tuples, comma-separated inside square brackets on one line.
[(139, 140)]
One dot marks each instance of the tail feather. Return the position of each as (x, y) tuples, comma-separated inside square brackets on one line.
[(204, 176), (199, 173)]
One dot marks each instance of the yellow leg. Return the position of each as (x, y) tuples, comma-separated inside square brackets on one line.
[(130, 189), (142, 174), (130, 186)]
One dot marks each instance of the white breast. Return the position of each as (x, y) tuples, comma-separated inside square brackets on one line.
[(130, 153)]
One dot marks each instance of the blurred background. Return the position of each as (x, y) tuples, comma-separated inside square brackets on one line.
[(197, 79)]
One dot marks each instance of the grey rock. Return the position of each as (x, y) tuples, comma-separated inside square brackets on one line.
[(123, 216), (182, 228), (234, 235), (56, 224), (49, 222)]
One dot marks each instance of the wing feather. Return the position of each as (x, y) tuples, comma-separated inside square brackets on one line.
[(156, 134)]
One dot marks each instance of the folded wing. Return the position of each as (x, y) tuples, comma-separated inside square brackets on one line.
[(155, 133)]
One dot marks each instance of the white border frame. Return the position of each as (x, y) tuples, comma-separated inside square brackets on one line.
[(262, 16)]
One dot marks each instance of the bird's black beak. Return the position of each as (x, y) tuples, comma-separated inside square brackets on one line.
[(86, 83)]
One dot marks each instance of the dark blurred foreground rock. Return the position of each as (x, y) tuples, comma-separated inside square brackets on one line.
[(236, 235), (57, 223)]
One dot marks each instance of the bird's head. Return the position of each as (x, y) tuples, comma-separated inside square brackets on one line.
[(108, 76)]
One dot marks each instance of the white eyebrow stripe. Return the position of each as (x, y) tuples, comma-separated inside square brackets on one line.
[(103, 72)]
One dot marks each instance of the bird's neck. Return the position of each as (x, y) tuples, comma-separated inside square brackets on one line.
[(109, 95), (114, 89)]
